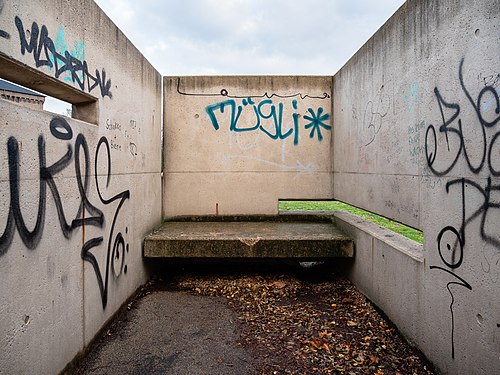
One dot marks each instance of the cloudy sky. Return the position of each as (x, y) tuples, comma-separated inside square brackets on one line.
[(207, 37)]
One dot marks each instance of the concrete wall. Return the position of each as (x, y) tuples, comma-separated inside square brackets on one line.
[(417, 139), (76, 198), (236, 145)]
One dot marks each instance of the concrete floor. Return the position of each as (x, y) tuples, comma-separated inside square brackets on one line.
[(171, 332)]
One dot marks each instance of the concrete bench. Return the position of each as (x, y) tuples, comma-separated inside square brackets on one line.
[(293, 237)]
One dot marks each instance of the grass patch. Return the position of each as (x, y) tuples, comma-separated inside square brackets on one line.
[(404, 230)]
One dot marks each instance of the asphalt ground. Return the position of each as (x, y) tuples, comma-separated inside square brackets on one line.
[(224, 318)]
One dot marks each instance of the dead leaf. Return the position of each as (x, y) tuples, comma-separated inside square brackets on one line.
[(278, 284), (374, 359), (315, 344), (350, 323), (360, 358), (323, 334)]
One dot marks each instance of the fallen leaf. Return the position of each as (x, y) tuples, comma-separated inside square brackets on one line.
[(323, 334), (360, 358), (374, 359), (279, 284), (315, 344)]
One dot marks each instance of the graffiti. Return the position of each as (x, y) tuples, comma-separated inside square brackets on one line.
[(444, 148), (375, 112), (415, 148), (267, 110), (116, 247), (316, 122), (224, 92), (133, 149), (491, 79), (88, 214), (460, 282), (78, 53), (485, 120), (113, 125), (410, 98), (55, 55), (298, 167), (3, 34)]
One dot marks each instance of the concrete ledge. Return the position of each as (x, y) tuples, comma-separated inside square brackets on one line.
[(248, 239)]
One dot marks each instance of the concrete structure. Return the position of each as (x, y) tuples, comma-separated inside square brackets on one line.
[(76, 197), (408, 128), (235, 145), (288, 237), (21, 95), (417, 139)]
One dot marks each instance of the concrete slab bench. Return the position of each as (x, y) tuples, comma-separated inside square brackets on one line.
[(301, 238)]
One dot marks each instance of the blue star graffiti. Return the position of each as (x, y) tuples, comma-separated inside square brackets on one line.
[(269, 118), (316, 122)]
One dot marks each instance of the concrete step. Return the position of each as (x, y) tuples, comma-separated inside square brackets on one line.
[(301, 238)]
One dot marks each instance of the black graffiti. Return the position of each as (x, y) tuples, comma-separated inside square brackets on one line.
[(225, 93), (375, 112), (119, 246), (44, 52), (3, 33), (452, 128), (460, 282), (441, 161), (452, 254), (88, 214)]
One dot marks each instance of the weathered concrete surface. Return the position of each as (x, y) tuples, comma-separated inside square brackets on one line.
[(76, 197), (248, 240), (173, 333), (417, 139), (236, 145)]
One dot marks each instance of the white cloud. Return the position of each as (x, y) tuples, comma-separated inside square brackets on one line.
[(248, 36)]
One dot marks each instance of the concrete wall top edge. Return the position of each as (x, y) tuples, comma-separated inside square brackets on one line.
[(408, 23)]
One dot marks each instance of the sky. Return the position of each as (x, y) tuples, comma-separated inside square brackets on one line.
[(240, 37)]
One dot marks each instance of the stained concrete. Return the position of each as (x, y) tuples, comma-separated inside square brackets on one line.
[(235, 145), (73, 253), (172, 333), (265, 239), (417, 140)]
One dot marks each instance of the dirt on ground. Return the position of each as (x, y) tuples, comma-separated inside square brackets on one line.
[(297, 320)]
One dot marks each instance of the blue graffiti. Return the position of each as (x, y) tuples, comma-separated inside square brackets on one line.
[(268, 118), (56, 57), (316, 122), (78, 53), (411, 98)]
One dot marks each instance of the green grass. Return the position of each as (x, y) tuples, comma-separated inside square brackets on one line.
[(411, 233)]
